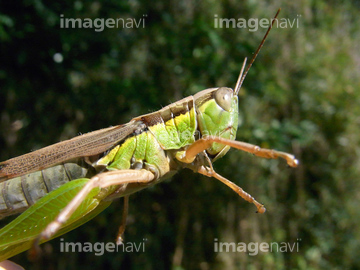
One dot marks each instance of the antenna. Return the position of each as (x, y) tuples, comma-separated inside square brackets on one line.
[(243, 74)]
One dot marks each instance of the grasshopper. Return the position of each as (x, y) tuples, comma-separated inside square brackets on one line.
[(62, 186)]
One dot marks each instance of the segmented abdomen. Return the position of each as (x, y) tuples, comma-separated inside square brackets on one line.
[(18, 194)]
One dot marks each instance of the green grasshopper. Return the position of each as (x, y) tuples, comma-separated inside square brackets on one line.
[(62, 186)]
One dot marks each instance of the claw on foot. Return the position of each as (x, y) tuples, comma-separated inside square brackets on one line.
[(261, 209)]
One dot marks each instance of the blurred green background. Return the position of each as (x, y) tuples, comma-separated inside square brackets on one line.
[(301, 96)]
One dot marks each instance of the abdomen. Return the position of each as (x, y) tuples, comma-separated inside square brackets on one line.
[(18, 194)]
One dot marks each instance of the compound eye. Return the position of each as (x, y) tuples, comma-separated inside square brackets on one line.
[(223, 97)]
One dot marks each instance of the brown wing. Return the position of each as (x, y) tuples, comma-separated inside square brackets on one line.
[(88, 144)]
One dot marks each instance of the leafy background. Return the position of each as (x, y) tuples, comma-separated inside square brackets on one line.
[(301, 96)]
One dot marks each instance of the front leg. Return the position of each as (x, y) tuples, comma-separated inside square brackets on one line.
[(204, 143), (243, 194)]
